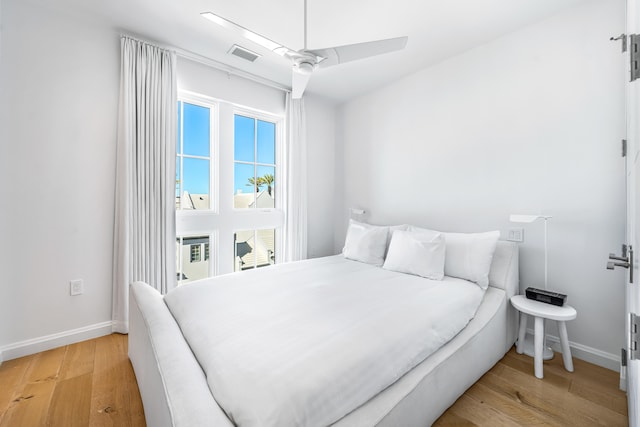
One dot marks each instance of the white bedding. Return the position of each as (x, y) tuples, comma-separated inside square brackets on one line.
[(307, 343)]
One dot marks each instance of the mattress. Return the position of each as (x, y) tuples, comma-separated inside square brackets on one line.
[(307, 343)]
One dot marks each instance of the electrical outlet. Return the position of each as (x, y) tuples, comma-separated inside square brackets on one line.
[(76, 287), (516, 235)]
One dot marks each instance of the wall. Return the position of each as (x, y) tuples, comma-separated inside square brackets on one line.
[(321, 147), (59, 78), (529, 123)]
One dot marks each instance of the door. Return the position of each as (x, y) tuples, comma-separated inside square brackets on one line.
[(633, 204)]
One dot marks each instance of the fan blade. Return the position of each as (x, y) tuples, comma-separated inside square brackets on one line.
[(352, 52), (248, 34), (299, 83)]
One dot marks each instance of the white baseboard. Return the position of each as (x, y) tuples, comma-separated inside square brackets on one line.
[(36, 345), (586, 353)]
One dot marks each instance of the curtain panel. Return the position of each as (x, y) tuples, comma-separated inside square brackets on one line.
[(295, 239), (144, 237)]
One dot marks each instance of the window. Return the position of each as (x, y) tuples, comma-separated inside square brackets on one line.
[(189, 262), (254, 248), (228, 214), (193, 157), (254, 163), (195, 253)]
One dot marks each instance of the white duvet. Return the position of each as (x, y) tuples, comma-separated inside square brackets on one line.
[(306, 343)]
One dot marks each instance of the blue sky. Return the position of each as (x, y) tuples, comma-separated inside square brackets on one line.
[(196, 142)]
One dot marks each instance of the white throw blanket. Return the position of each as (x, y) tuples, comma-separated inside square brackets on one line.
[(306, 343)]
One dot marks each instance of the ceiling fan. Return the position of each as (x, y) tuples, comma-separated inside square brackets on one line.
[(305, 61)]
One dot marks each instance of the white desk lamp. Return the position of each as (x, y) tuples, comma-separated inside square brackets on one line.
[(528, 344)]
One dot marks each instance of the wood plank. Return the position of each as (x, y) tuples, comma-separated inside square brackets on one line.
[(31, 405), (71, 402), (46, 365), (551, 401), (451, 419), (111, 403), (468, 407), (78, 360), (512, 406), (12, 374)]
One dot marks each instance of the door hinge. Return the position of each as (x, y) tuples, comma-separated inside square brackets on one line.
[(634, 54), (624, 149), (633, 331)]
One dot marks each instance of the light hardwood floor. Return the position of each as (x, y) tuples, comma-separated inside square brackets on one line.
[(92, 383)]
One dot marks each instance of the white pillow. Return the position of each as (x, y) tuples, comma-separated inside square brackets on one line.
[(469, 255), (365, 243), (392, 228), (418, 253)]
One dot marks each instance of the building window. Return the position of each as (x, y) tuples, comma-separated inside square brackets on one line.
[(254, 248), (189, 263), (254, 163), (195, 253), (193, 156)]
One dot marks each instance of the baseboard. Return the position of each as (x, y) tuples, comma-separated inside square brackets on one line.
[(36, 345), (586, 353)]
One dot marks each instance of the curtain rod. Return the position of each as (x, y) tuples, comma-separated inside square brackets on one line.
[(192, 56)]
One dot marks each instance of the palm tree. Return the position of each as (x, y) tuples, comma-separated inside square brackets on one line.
[(255, 183), (267, 179)]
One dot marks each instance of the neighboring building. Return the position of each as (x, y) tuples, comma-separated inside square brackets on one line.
[(253, 248)]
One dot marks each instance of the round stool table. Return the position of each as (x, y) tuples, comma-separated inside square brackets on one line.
[(541, 311)]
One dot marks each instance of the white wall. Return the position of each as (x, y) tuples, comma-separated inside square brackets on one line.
[(321, 147), (59, 77), (528, 123)]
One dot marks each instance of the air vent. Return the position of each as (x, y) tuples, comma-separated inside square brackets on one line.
[(243, 53)]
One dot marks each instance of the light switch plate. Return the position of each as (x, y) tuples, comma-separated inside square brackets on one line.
[(516, 235), (76, 287)]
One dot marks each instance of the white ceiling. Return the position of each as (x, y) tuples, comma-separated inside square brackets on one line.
[(436, 30)]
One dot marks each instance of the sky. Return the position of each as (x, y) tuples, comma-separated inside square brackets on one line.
[(247, 148)]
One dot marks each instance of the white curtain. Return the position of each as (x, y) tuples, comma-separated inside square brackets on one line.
[(295, 239), (144, 237)]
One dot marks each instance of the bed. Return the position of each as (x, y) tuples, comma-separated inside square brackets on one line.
[(178, 379)]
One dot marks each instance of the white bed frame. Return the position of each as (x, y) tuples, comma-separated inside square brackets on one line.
[(175, 392)]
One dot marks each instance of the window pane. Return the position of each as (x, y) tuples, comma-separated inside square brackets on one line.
[(266, 197), (191, 265), (245, 186), (195, 185), (196, 136), (266, 142), (244, 138), (254, 249)]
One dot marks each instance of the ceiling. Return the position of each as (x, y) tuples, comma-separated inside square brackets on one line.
[(436, 30)]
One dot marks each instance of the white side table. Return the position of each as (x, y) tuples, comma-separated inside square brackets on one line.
[(541, 311)]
